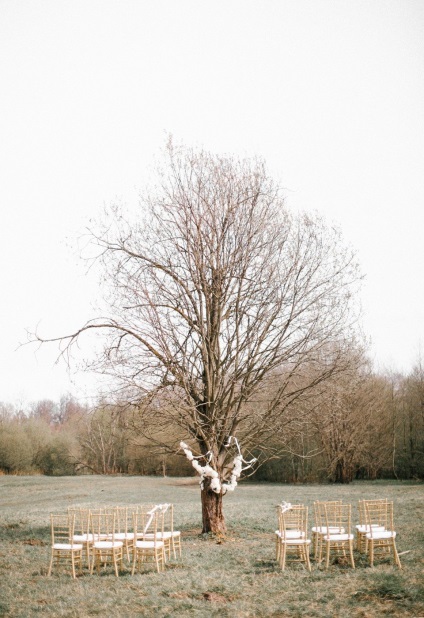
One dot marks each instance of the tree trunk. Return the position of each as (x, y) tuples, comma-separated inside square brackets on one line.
[(343, 473), (212, 514)]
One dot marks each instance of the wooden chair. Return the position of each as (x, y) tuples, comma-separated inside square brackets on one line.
[(293, 541), (166, 532), (105, 548), (381, 537), (362, 528), (320, 528), (123, 527), (289, 526), (174, 535), (147, 547), (82, 530), (338, 537), (64, 549)]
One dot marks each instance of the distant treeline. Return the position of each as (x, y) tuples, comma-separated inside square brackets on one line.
[(368, 428)]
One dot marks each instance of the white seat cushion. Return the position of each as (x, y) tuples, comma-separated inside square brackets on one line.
[(330, 530), (83, 538), (107, 544), (160, 535), (149, 544), (67, 546), (291, 534), (124, 536), (379, 535), (296, 541), (362, 529), (338, 537)]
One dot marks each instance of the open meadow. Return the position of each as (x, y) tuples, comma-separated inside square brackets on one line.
[(237, 577)]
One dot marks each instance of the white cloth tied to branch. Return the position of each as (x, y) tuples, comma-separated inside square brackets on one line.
[(209, 472)]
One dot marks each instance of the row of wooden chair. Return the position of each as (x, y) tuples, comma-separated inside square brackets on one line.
[(376, 532), (332, 531), (140, 533)]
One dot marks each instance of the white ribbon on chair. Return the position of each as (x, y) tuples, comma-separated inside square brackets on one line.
[(285, 506), (151, 513)]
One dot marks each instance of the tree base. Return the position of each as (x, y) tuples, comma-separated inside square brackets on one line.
[(212, 513)]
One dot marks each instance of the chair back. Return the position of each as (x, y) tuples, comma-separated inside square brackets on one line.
[(362, 508), (103, 525), (62, 528), (319, 511), (379, 515), (147, 523), (123, 518), (338, 518), (293, 523), (82, 519)]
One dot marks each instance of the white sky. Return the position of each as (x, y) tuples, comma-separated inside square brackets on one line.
[(330, 93)]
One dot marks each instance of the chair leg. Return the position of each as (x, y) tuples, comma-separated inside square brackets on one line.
[(351, 554), (134, 561), (396, 555), (73, 565), (283, 556), (115, 562), (87, 553), (319, 549), (327, 555), (49, 572), (371, 552), (277, 547), (308, 562)]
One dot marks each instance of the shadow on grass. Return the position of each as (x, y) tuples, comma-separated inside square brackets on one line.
[(394, 587), (22, 532)]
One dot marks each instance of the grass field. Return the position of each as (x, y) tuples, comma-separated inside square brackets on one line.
[(238, 578)]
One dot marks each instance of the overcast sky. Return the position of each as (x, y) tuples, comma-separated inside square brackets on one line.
[(329, 92)]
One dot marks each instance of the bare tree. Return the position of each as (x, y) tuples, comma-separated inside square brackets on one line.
[(352, 419), (410, 423), (103, 442), (218, 300)]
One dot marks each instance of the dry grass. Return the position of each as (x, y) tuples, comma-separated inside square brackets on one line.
[(237, 578)]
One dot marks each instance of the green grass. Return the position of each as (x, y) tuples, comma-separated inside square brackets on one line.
[(237, 578)]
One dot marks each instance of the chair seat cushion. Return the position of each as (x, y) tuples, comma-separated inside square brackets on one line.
[(148, 544), (291, 534), (159, 535), (363, 529), (124, 536), (167, 534), (338, 537), (107, 544), (83, 538), (329, 530), (296, 541), (67, 547), (380, 535)]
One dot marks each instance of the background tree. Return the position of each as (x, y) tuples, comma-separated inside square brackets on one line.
[(352, 418), (103, 439), (219, 299), (410, 423)]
